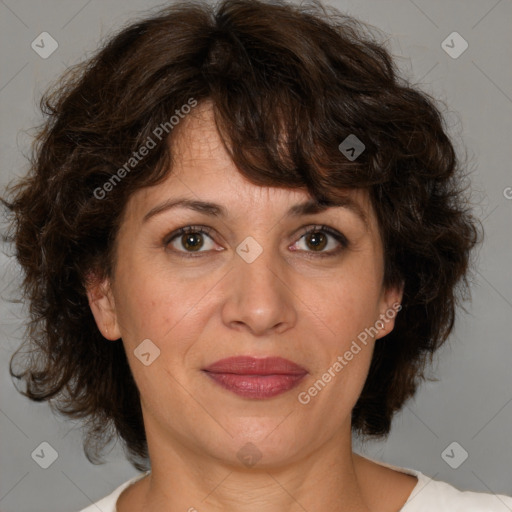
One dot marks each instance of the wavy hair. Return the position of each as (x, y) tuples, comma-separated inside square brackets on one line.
[(288, 84)]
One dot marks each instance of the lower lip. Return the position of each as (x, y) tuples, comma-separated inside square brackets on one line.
[(256, 386)]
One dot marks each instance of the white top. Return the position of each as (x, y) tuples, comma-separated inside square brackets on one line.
[(427, 496)]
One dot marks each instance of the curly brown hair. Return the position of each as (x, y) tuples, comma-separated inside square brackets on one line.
[(288, 84)]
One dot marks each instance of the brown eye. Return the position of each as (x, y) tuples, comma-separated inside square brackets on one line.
[(317, 239), (190, 239)]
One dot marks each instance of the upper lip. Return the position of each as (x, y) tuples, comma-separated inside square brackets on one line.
[(248, 365)]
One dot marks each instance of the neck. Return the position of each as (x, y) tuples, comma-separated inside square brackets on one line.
[(183, 479)]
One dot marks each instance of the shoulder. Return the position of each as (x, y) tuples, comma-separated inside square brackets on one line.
[(108, 503), (427, 494), (441, 496)]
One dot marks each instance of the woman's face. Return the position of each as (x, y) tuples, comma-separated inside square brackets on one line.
[(254, 285)]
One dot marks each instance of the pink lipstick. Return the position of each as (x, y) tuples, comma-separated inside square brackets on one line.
[(257, 378)]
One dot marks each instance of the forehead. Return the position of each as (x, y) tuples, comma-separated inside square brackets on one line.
[(205, 179)]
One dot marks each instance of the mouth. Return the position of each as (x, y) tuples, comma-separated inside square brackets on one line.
[(256, 378)]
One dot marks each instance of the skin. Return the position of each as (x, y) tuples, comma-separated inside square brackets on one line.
[(284, 303)]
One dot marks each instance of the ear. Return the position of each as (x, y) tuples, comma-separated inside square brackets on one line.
[(389, 307), (101, 302)]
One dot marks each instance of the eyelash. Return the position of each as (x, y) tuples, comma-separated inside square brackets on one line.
[(339, 237)]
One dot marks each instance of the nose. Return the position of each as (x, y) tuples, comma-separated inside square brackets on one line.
[(260, 296)]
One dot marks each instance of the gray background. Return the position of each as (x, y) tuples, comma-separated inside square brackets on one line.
[(471, 403)]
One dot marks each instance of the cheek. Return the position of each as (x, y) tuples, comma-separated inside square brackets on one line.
[(349, 303), (154, 303), (347, 307)]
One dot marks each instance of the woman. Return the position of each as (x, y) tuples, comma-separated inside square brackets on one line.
[(243, 234)]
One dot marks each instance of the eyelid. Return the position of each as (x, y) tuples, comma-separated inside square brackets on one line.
[(342, 240), (337, 235), (186, 229), (340, 237)]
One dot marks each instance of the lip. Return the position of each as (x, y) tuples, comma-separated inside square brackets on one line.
[(257, 378), (248, 365)]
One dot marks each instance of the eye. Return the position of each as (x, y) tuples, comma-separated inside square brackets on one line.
[(191, 238), (315, 238)]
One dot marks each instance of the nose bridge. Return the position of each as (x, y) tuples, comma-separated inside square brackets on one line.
[(259, 296), (257, 258)]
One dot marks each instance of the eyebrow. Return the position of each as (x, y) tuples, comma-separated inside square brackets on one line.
[(308, 207)]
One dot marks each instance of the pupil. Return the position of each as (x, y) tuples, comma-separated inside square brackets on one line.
[(318, 240), (192, 241)]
